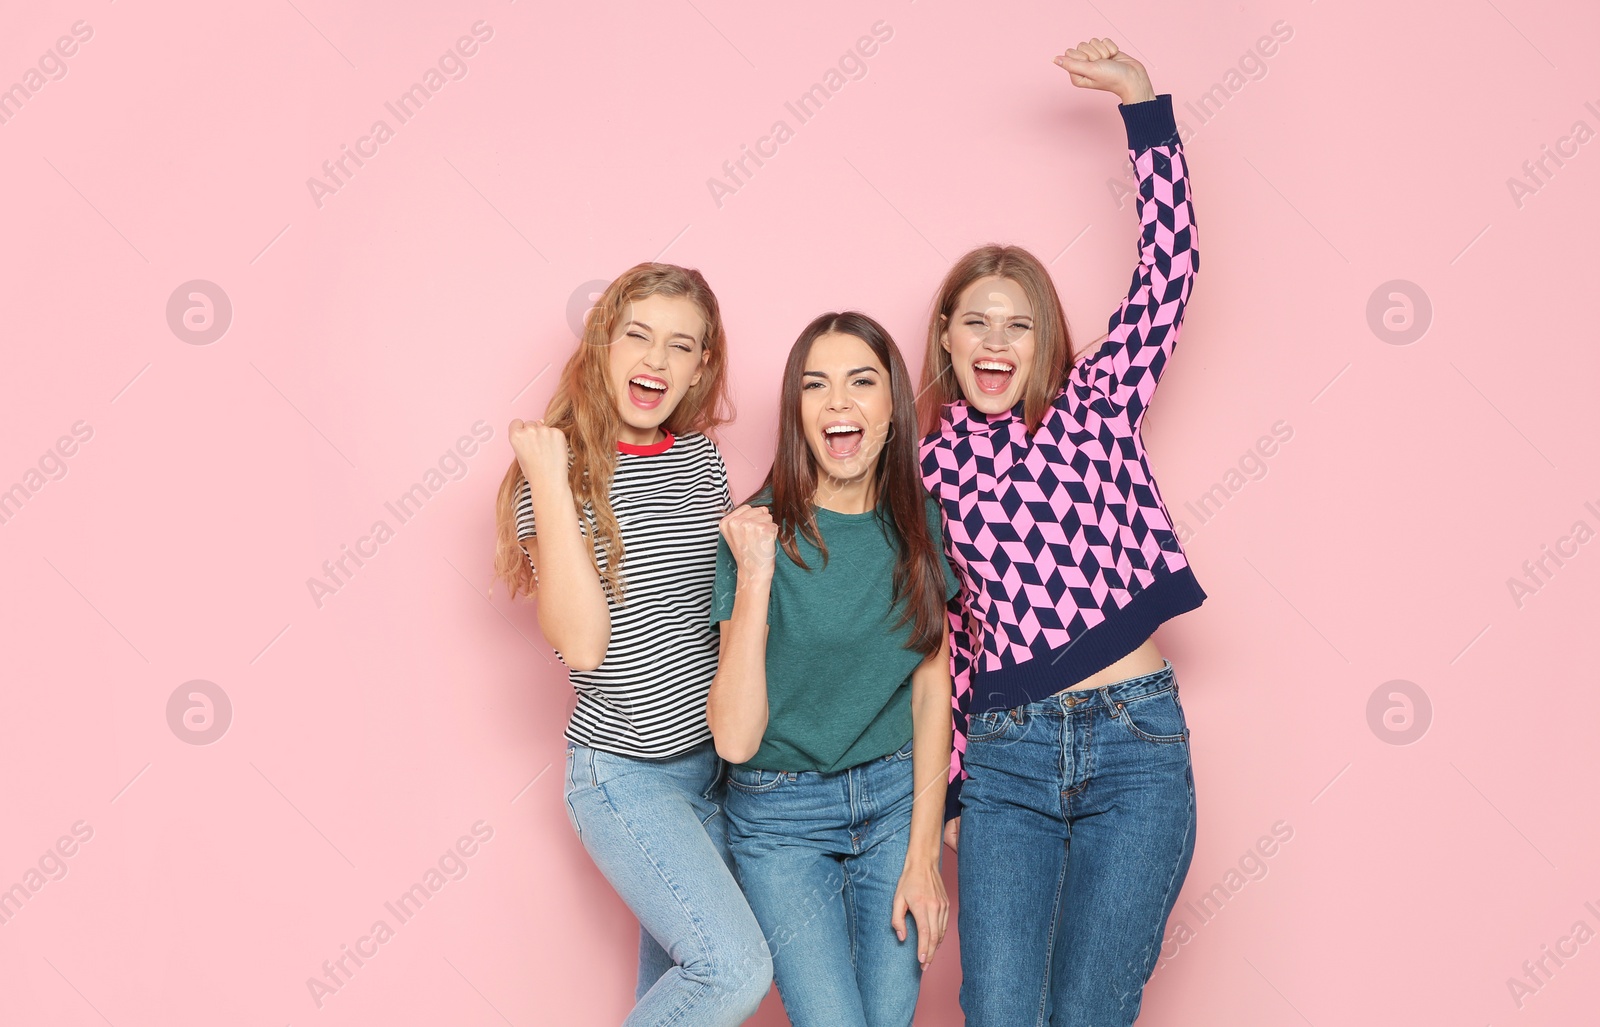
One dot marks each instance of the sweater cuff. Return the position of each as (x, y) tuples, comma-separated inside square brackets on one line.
[(1150, 123)]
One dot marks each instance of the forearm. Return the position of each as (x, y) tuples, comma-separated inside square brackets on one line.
[(576, 621), (930, 753), (736, 709)]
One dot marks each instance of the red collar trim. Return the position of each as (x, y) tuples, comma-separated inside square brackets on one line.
[(650, 450)]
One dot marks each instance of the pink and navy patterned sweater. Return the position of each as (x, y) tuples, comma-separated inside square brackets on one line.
[(1067, 556)]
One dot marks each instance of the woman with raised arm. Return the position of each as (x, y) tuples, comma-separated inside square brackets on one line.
[(1072, 797), (833, 692), (627, 493)]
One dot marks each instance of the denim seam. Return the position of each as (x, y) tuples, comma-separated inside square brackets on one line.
[(1050, 943), (1167, 898), (1062, 740)]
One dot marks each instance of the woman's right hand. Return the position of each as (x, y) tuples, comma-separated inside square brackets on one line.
[(1098, 64), (542, 452), (752, 536), (952, 832)]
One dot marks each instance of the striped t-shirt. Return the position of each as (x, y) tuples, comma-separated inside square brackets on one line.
[(648, 696)]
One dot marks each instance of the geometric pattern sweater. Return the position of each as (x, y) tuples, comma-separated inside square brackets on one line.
[(1067, 556)]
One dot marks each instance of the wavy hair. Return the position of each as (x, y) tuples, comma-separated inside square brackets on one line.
[(584, 407)]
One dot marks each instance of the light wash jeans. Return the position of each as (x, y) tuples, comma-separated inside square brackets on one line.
[(655, 829), (820, 856), (1077, 827)]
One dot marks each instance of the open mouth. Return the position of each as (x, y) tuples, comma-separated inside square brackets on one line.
[(992, 376), (646, 391), (843, 439)]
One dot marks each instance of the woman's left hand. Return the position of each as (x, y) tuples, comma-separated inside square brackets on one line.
[(921, 892), (1098, 64)]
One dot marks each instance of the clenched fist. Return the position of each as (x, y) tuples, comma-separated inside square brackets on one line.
[(753, 537), (1098, 64), (542, 452)]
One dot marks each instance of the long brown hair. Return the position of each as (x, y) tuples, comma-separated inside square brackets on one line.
[(897, 483), (1052, 349), (584, 407)]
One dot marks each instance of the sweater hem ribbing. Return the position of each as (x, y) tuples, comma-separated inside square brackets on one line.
[(1050, 670)]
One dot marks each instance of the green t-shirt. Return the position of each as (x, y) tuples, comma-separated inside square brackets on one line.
[(838, 672)]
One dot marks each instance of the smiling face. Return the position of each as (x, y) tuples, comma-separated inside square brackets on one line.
[(656, 355), (845, 409), (990, 339)]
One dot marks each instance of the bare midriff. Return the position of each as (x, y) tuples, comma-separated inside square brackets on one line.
[(1146, 659)]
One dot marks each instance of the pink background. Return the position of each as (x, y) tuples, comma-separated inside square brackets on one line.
[(432, 291)]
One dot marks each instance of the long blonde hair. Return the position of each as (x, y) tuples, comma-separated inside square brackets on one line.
[(584, 407), (1052, 350)]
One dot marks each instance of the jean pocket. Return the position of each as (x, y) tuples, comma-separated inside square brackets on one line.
[(1154, 718), (981, 727), (752, 781), (905, 752)]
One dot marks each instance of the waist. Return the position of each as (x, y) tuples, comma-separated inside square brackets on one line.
[(1146, 659)]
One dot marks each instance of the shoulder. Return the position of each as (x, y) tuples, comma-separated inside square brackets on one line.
[(699, 450)]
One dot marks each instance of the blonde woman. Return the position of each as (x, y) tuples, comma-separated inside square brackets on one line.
[(609, 518)]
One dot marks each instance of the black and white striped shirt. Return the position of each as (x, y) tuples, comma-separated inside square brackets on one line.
[(648, 696)]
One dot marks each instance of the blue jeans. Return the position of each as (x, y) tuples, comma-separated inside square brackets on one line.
[(820, 856), (1077, 828), (653, 828)]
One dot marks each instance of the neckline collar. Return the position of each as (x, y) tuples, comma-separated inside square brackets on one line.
[(962, 417), (634, 449)]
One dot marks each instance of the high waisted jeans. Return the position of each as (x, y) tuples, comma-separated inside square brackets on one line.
[(655, 829), (1077, 827), (820, 856)]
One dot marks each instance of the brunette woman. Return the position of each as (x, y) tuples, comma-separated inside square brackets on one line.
[(833, 692)]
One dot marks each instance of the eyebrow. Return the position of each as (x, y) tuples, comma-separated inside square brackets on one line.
[(1014, 317), (853, 370), (675, 335)]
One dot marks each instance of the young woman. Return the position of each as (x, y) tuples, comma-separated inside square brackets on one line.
[(833, 691), (627, 494), (1073, 800)]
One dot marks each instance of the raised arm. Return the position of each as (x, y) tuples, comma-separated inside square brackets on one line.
[(577, 622), (1121, 373), (736, 709)]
